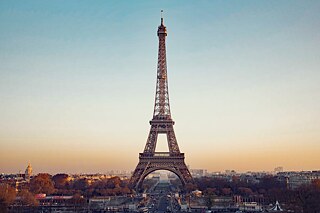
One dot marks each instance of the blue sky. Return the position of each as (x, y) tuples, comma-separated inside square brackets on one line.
[(77, 83)]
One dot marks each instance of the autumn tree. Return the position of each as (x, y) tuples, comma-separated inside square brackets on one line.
[(309, 197), (316, 184), (189, 187), (110, 186), (61, 181), (114, 182), (42, 183), (226, 191), (210, 192), (7, 195), (80, 184), (245, 191), (27, 198), (78, 202)]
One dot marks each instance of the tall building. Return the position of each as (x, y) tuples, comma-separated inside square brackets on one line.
[(161, 123), (28, 172)]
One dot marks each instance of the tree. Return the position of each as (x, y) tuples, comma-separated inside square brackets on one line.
[(78, 200), (125, 190), (81, 184), (316, 184), (309, 196), (226, 191), (27, 198), (61, 181), (209, 195), (42, 183), (7, 195), (190, 187), (209, 201), (114, 182), (245, 191), (210, 191)]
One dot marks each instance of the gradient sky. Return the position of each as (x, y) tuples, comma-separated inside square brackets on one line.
[(77, 83)]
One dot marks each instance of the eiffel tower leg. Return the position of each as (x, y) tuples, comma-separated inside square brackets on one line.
[(172, 141), (151, 141), (137, 174), (185, 173)]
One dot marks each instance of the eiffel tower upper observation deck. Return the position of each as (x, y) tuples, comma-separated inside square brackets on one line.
[(161, 123)]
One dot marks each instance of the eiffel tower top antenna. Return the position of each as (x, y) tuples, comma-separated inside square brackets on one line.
[(161, 17)]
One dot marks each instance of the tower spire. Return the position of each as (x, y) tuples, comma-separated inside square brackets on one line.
[(161, 123), (161, 17)]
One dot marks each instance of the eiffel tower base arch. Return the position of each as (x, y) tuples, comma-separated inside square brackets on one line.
[(149, 163)]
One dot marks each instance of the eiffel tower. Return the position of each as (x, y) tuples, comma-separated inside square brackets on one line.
[(161, 123)]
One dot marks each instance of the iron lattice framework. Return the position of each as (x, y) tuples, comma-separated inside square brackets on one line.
[(161, 123)]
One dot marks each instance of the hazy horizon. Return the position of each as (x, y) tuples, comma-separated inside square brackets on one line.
[(77, 83), (119, 171)]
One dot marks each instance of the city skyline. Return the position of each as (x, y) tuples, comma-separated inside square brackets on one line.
[(77, 84)]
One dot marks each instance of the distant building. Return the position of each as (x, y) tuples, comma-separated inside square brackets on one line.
[(198, 172), (297, 179), (301, 179), (28, 172), (164, 178), (230, 172), (250, 207), (278, 169)]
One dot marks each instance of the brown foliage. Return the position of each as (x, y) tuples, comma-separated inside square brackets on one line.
[(81, 184), (190, 187), (245, 191), (210, 191), (226, 191), (60, 180), (27, 198), (42, 183), (105, 187), (306, 198), (7, 195), (114, 182), (316, 184), (309, 197), (77, 198)]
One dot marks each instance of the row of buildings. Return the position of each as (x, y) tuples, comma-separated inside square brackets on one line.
[(293, 179)]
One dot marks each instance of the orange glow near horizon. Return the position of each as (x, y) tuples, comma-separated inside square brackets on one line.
[(77, 84), (82, 157)]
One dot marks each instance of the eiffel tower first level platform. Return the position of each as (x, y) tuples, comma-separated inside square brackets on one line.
[(149, 163), (161, 123)]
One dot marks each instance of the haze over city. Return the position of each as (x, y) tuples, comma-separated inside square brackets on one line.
[(77, 83)]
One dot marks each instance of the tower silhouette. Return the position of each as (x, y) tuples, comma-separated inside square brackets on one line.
[(161, 123)]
